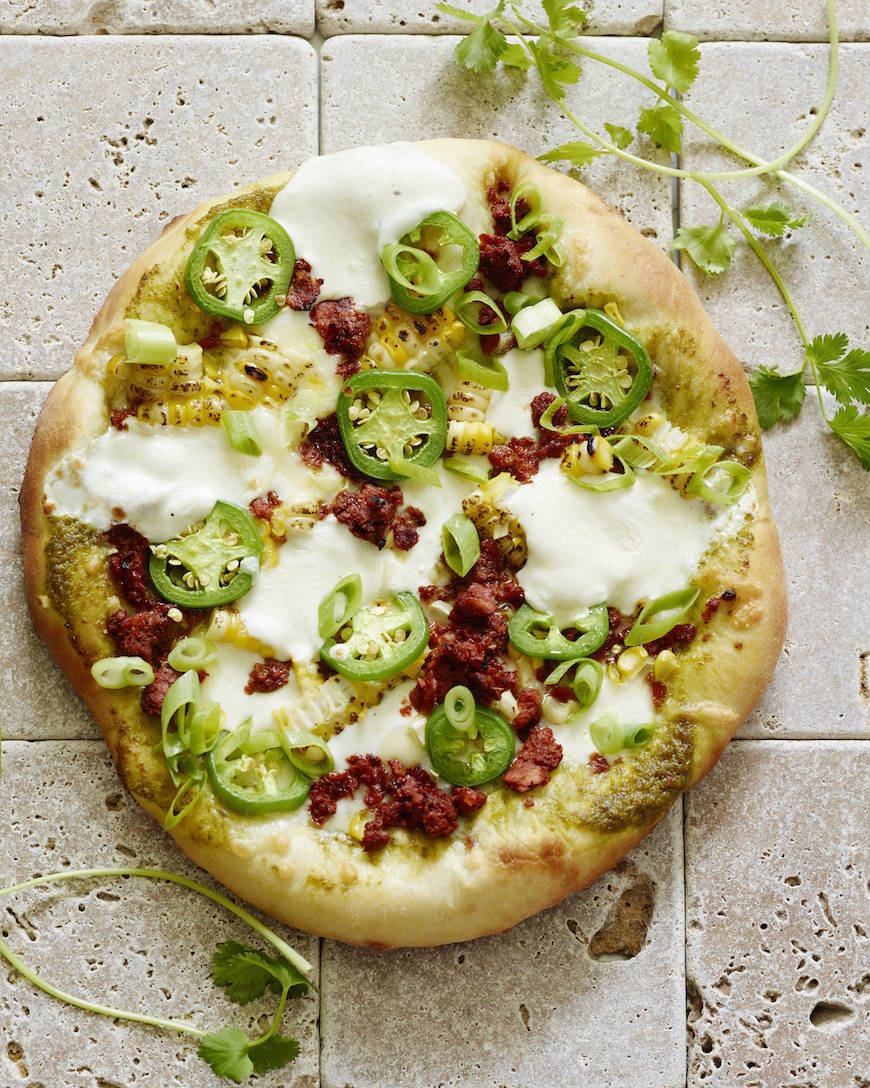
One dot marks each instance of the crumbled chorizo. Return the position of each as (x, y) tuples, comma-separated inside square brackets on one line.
[(263, 506), (148, 634), (712, 606), (323, 443), (681, 635), (405, 527), (598, 763), (659, 691), (119, 416), (128, 565), (268, 675), (519, 457), (304, 288), (154, 694), (369, 512), (550, 443), (344, 329), (529, 702), (539, 756)]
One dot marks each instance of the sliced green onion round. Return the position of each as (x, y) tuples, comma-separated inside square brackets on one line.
[(192, 653), (461, 544), (587, 681), (465, 467), (459, 706), (564, 666), (547, 244), (424, 474), (122, 672), (464, 301), (308, 753), (480, 368), (607, 735), (533, 324), (684, 462), (339, 605), (205, 727), (639, 452), (634, 736), (242, 432), (660, 615), (177, 811), (549, 414), (532, 196), (609, 481), (514, 301), (706, 485), (149, 342)]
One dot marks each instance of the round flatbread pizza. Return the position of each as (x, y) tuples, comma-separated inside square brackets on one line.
[(403, 522)]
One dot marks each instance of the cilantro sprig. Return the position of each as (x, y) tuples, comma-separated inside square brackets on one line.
[(244, 972), (555, 50)]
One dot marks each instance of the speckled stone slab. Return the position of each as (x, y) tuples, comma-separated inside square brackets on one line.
[(411, 88), (532, 1007), (105, 139), (820, 498), (410, 17), (778, 918), (763, 96), (156, 17), (136, 945), (783, 20)]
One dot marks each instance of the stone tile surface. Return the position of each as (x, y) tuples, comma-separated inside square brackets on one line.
[(408, 88), (35, 698), (527, 1008), (763, 95), (785, 20), (105, 140), (778, 916), (135, 944), (156, 17), (821, 504), (410, 17)]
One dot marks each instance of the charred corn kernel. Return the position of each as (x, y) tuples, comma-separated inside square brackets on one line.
[(197, 412), (422, 342), (227, 626), (320, 709), (234, 337), (632, 661), (612, 311), (358, 824), (469, 437), (468, 402), (666, 665), (613, 674), (508, 706), (492, 523), (648, 424), (587, 458)]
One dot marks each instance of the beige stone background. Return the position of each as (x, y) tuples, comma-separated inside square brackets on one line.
[(732, 948)]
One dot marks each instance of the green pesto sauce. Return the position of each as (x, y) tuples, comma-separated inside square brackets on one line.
[(77, 577)]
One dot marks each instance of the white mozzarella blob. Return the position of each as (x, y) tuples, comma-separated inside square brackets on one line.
[(630, 702), (586, 547), (225, 685), (342, 209), (384, 731), (510, 411), (161, 480)]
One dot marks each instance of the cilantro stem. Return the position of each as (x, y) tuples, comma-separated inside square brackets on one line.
[(276, 1020)]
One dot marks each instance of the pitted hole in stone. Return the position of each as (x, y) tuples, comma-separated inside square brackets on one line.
[(114, 802), (831, 1016), (524, 1013), (861, 988), (723, 984), (772, 996), (624, 931), (125, 850), (694, 1001), (806, 983)]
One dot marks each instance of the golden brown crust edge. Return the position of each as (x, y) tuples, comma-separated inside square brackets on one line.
[(459, 895)]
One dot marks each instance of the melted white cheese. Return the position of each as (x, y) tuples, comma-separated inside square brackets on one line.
[(225, 685), (630, 702), (161, 480), (620, 547), (510, 411), (342, 209), (383, 731)]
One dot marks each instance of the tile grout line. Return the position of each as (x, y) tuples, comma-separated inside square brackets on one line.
[(685, 945)]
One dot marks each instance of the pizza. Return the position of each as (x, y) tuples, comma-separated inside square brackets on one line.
[(403, 523)]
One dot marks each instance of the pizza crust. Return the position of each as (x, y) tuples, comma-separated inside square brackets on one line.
[(322, 882)]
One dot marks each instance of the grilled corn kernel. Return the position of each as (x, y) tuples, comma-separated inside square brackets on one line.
[(358, 824), (632, 661), (588, 458), (666, 665), (613, 674), (469, 437), (648, 425), (235, 337), (612, 311)]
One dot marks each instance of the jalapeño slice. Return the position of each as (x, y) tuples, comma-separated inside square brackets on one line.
[(242, 262), (211, 565), (380, 640), (596, 379), (392, 423), (253, 776), (537, 635), (472, 756), (418, 282)]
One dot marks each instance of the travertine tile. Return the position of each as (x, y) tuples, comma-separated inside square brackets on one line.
[(785, 20), (408, 17), (408, 88), (35, 698), (156, 17), (763, 95), (136, 944), (778, 917), (530, 1007), (821, 504), (105, 139)]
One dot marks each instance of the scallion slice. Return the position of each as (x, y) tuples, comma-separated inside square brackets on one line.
[(461, 544), (528, 191), (639, 452), (635, 736), (684, 462), (424, 474), (149, 343), (609, 481), (607, 735), (660, 615), (465, 301), (459, 706), (705, 484), (533, 324), (549, 414), (242, 432), (194, 652), (587, 681), (465, 467), (205, 727), (339, 605), (547, 244), (480, 368), (308, 753), (122, 672)]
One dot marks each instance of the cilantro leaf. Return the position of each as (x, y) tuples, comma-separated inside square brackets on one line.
[(663, 125), (273, 1053), (244, 973), (827, 348), (481, 49), (461, 13), (775, 219), (515, 57), (778, 397), (711, 248), (226, 1051), (577, 153), (619, 135), (674, 58), (566, 20), (853, 428), (847, 378), (556, 73)]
